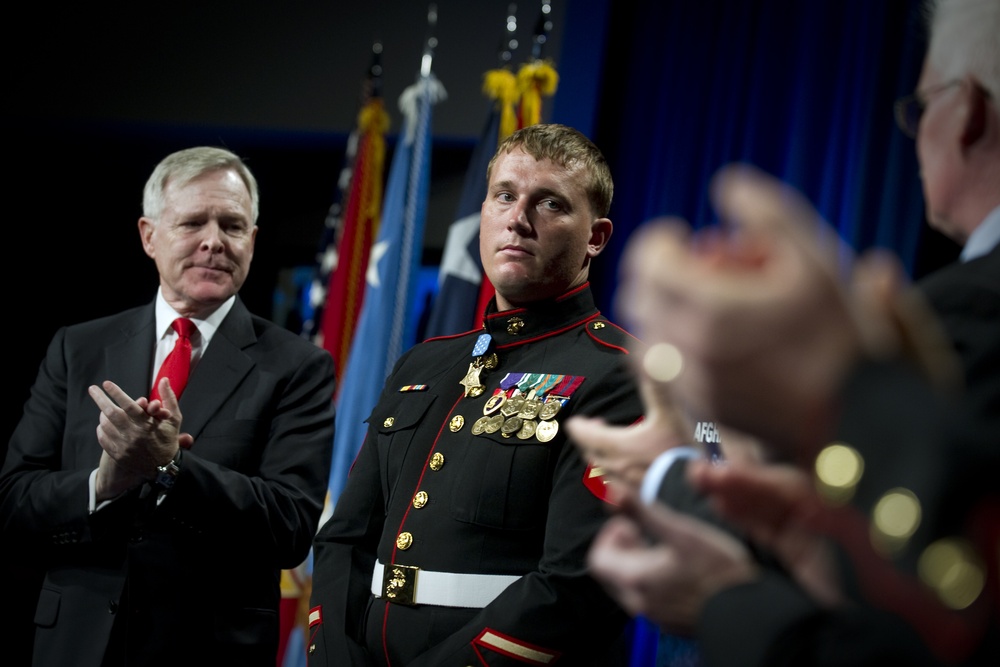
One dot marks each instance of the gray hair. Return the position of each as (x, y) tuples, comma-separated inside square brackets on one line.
[(186, 165), (964, 40)]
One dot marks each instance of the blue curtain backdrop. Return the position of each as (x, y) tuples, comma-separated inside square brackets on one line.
[(803, 90)]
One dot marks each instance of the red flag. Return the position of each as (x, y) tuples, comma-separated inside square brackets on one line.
[(360, 225)]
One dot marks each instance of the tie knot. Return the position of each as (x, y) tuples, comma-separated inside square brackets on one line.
[(184, 327)]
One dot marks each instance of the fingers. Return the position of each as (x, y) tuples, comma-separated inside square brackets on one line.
[(115, 405), (169, 403), (592, 436), (760, 206)]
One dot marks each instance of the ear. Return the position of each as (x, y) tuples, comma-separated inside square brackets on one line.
[(146, 230), (974, 125), (253, 239), (600, 233)]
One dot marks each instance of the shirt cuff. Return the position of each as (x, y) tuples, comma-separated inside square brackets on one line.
[(657, 470)]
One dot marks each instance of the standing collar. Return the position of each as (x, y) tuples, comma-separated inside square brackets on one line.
[(541, 319)]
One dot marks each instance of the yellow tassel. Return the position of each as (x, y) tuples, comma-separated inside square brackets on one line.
[(534, 80), (373, 118), (373, 122), (501, 85)]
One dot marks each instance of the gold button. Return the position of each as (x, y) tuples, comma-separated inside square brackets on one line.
[(420, 499), (456, 424), (404, 541), (437, 461), (312, 649), (389, 421)]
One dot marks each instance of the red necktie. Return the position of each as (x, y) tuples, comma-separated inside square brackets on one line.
[(177, 365)]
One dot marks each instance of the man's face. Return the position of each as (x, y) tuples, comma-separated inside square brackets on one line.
[(203, 242), (938, 150), (537, 232)]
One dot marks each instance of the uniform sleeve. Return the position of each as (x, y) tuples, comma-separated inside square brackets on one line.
[(344, 553)]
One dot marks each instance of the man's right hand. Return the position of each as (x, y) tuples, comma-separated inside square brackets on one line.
[(136, 435)]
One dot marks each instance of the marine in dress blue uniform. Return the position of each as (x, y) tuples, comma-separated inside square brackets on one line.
[(467, 487)]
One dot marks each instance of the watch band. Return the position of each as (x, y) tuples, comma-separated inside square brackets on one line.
[(167, 474)]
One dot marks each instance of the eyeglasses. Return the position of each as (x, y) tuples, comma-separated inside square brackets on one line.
[(909, 109)]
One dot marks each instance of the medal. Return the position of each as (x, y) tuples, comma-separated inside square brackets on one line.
[(495, 402), (511, 425), (512, 406), (549, 409), (494, 423), (530, 407), (546, 430), (479, 426), (527, 429), (471, 380)]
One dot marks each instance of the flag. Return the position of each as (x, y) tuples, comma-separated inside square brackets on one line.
[(360, 224), (334, 303), (387, 324), (461, 272), (461, 282)]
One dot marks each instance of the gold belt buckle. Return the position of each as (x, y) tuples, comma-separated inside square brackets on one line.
[(399, 583)]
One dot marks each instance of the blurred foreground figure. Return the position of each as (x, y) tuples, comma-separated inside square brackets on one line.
[(877, 405)]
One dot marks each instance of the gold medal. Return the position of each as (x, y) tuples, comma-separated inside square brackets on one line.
[(529, 409), (479, 426), (494, 424), (549, 408), (527, 429), (511, 425), (512, 406), (471, 380), (546, 430)]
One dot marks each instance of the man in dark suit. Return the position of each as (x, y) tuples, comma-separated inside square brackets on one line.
[(162, 524)]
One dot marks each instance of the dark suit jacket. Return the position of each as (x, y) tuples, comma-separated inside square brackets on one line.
[(948, 454), (966, 298), (198, 574)]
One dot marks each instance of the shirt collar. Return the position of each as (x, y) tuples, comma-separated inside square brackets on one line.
[(165, 315), (983, 238)]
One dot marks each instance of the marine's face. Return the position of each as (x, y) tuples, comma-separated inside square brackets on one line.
[(203, 241), (537, 230)]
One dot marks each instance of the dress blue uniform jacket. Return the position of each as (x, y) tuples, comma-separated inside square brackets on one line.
[(493, 503)]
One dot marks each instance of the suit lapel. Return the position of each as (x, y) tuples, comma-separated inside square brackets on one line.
[(130, 359), (220, 370)]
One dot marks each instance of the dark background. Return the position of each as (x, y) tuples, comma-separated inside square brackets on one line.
[(96, 94)]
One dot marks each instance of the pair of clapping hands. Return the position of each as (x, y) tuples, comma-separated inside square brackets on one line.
[(763, 319)]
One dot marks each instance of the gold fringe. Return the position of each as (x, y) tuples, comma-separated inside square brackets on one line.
[(534, 80), (501, 85)]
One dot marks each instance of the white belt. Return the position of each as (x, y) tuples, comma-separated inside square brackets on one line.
[(411, 585)]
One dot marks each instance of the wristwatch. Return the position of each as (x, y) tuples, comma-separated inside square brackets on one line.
[(167, 474)]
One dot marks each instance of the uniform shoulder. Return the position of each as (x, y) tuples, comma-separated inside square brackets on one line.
[(608, 334)]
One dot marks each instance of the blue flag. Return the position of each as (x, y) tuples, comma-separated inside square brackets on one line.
[(388, 322), (461, 273)]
